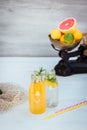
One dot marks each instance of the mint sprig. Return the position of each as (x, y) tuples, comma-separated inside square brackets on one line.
[(39, 72), (51, 77)]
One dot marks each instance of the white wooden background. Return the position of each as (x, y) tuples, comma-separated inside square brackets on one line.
[(25, 24)]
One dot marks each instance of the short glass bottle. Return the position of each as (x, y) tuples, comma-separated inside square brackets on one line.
[(37, 95), (51, 89)]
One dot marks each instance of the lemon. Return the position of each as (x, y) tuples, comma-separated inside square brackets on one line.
[(68, 38), (78, 35), (55, 34), (51, 84)]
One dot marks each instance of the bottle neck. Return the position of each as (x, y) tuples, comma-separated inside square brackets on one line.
[(36, 78)]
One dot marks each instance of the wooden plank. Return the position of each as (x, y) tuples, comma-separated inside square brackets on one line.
[(25, 24)]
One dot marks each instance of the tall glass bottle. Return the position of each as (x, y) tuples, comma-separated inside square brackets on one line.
[(37, 95), (51, 89)]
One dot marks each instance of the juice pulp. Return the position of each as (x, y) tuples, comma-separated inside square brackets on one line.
[(37, 97)]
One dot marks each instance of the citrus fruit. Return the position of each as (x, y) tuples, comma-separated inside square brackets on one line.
[(55, 34), (67, 25), (62, 39), (68, 38), (78, 35), (51, 84)]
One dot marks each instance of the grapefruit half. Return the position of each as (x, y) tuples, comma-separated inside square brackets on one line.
[(67, 25)]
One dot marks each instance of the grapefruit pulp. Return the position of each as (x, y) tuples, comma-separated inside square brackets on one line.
[(67, 25)]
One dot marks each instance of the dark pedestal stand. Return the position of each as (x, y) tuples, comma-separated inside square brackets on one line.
[(66, 67)]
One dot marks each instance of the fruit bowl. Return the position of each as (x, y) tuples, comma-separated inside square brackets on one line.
[(61, 45)]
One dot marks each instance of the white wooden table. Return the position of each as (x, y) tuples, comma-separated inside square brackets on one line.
[(72, 89), (25, 24)]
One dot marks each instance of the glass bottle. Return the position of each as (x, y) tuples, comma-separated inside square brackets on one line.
[(51, 89), (37, 95)]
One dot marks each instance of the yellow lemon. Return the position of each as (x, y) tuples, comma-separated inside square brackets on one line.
[(55, 34), (78, 35), (52, 84)]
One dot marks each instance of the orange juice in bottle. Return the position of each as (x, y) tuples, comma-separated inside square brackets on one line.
[(37, 95)]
